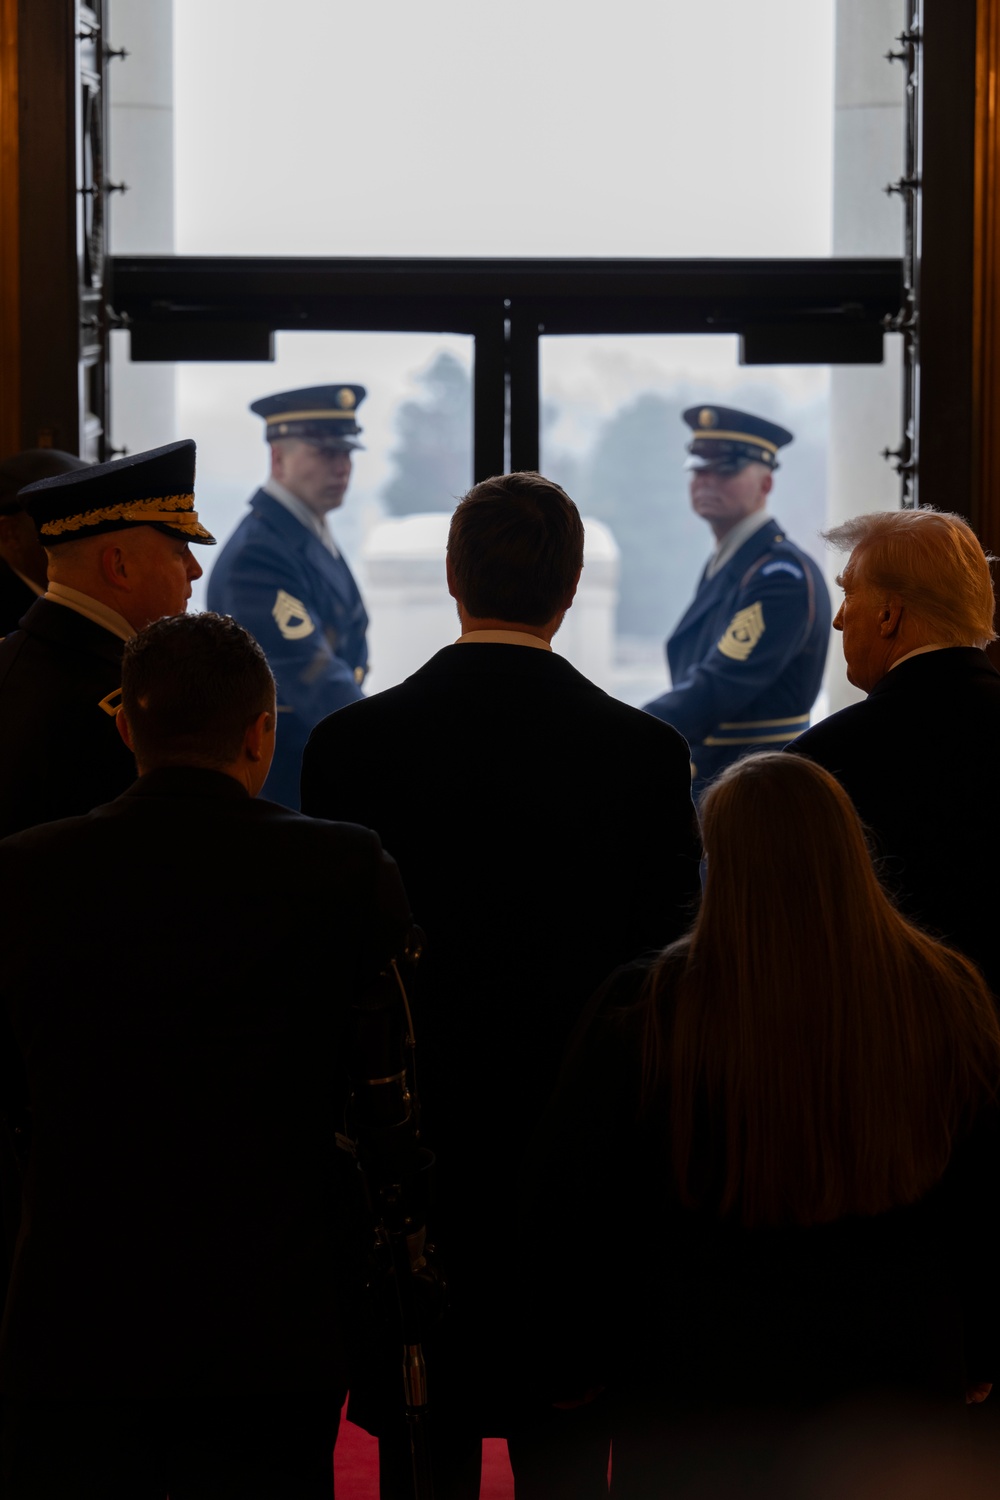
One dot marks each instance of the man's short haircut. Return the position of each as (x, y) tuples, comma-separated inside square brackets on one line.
[(936, 564), (516, 548), (191, 686)]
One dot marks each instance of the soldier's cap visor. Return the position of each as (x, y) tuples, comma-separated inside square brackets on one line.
[(332, 444), (730, 465)]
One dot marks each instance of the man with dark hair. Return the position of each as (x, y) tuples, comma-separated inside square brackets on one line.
[(23, 566), (546, 834), (117, 538), (176, 1318), (531, 532), (173, 711), (282, 575)]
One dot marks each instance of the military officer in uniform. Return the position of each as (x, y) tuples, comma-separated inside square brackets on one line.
[(746, 661), (282, 577), (117, 537)]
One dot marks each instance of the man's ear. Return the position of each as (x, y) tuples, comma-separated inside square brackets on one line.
[(257, 734), (767, 483), (114, 569), (124, 729), (576, 584), (890, 616), (450, 574)]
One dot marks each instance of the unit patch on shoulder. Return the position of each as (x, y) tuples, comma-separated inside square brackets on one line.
[(291, 617), (112, 703), (781, 566), (743, 632)]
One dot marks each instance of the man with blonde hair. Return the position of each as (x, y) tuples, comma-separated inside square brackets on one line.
[(916, 617)]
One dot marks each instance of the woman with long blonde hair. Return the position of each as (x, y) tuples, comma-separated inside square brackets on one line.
[(780, 1138)]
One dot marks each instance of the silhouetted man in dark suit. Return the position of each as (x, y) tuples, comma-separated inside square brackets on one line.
[(23, 564), (175, 1320), (546, 834), (918, 756)]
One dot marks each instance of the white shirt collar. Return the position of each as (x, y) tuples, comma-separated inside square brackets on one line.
[(91, 609), (920, 651), (502, 638), (733, 540), (306, 517)]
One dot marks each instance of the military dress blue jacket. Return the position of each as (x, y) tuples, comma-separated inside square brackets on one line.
[(278, 580), (746, 661)]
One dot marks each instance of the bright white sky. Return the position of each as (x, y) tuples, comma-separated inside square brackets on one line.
[(535, 127)]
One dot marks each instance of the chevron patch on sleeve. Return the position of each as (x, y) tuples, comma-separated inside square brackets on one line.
[(743, 632), (291, 617)]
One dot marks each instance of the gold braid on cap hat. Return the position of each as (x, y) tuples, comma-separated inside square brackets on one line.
[(170, 510)]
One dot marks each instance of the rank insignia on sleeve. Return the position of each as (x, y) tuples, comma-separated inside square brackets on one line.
[(743, 632), (782, 566), (291, 617), (112, 703)]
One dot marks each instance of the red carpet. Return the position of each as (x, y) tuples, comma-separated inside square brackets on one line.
[(355, 1466)]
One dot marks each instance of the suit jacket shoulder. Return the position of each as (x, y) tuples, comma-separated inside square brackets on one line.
[(60, 752), (471, 683)]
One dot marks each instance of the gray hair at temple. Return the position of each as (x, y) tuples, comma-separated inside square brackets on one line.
[(933, 561)]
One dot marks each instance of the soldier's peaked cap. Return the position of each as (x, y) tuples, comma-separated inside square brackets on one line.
[(725, 438), (143, 489), (322, 414)]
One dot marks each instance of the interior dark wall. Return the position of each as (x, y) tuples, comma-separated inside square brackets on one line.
[(48, 303), (948, 469)]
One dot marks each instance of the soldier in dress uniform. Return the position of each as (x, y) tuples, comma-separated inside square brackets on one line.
[(23, 566), (746, 661), (117, 537), (282, 576)]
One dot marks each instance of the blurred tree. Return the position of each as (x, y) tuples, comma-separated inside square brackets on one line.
[(634, 483), (433, 456)]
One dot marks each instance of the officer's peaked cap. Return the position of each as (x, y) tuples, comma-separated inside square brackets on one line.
[(143, 489), (322, 414), (726, 438)]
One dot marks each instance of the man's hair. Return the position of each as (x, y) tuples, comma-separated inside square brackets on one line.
[(934, 561), (191, 685), (516, 548)]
